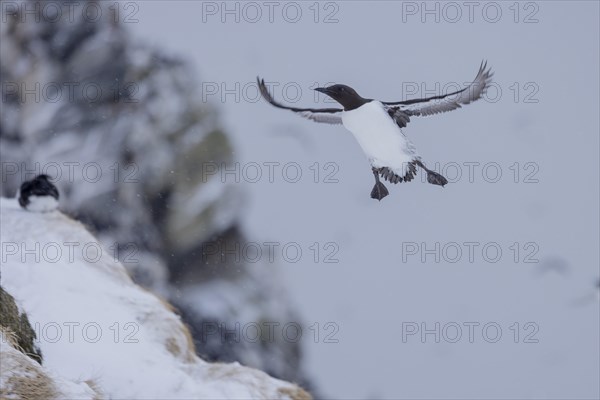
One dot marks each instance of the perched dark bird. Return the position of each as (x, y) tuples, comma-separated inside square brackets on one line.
[(376, 125), (38, 194)]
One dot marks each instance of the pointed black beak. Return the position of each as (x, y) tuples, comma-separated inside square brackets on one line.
[(322, 90)]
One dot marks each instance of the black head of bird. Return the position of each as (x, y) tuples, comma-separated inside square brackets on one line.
[(36, 189), (344, 95)]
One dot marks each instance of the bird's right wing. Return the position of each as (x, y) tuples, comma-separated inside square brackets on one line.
[(324, 115), (449, 101)]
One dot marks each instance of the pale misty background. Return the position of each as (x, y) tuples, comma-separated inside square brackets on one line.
[(371, 291)]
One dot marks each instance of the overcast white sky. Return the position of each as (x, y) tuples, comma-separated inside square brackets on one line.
[(539, 127)]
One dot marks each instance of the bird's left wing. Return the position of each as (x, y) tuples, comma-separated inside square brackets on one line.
[(324, 115), (445, 102)]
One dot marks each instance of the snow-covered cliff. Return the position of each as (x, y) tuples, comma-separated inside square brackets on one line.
[(99, 333), (122, 130)]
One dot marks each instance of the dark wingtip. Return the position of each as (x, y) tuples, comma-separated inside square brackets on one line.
[(263, 89), (484, 69)]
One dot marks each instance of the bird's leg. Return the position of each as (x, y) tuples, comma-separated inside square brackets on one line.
[(432, 176), (379, 190)]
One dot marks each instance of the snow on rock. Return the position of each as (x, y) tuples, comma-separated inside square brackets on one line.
[(93, 324), (23, 378)]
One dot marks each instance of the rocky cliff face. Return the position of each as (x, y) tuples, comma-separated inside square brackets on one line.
[(122, 130)]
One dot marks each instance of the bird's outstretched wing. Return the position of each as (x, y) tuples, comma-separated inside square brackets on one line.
[(442, 103), (324, 115)]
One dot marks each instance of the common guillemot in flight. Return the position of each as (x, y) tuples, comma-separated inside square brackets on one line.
[(38, 194), (376, 125)]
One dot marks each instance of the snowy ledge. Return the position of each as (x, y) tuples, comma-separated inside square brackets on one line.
[(100, 334)]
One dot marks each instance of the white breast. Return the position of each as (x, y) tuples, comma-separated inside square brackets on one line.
[(379, 136), (42, 203)]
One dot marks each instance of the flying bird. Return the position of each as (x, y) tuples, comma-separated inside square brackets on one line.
[(38, 194), (377, 126)]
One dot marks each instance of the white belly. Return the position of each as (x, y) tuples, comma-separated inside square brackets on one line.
[(379, 136), (42, 203)]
